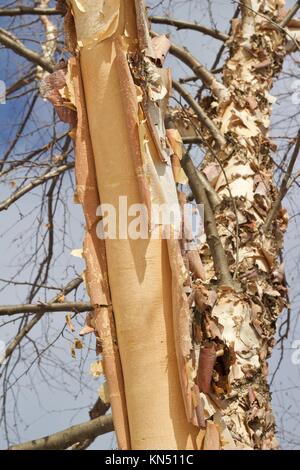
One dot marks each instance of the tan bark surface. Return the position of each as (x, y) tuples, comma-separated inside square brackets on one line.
[(139, 270), (96, 275)]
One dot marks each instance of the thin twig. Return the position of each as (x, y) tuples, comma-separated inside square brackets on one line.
[(179, 24), (213, 239), (209, 80), (192, 140), (72, 285)]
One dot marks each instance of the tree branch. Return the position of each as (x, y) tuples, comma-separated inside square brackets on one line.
[(189, 25), (212, 194), (290, 14), (21, 82), (36, 182), (23, 10), (64, 439), (19, 132), (194, 78), (276, 25), (43, 308), (213, 239), (13, 43), (209, 80), (15, 164), (202, 116), (74, 284), (192, 140), (99, 409)]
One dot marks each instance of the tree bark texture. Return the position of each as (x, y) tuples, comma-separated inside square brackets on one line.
[(182, 373)]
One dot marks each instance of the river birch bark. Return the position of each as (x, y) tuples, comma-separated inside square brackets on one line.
[(183, 371)]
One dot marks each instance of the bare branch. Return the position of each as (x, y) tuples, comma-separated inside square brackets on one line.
[(72, 285), (203, 118), (13, 43), (213, 239), (40, 151), (64, 439), (189, 25), (36, 182), (248, 18), (19, 132), (276, 25), (194, 78), (290, 14), (212, 194), (99, 409), (209, 80), (43, 308), (192, 140), (24, 10)]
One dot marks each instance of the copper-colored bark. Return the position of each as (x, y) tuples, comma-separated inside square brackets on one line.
[(96, 274)]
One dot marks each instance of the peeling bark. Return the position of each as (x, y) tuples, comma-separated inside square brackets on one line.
[(245, 321), (138, 270), (196, 364)]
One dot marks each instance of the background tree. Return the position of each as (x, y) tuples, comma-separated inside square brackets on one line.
[(37, 159)]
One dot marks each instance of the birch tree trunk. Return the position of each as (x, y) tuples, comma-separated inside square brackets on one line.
[(182, 372)]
